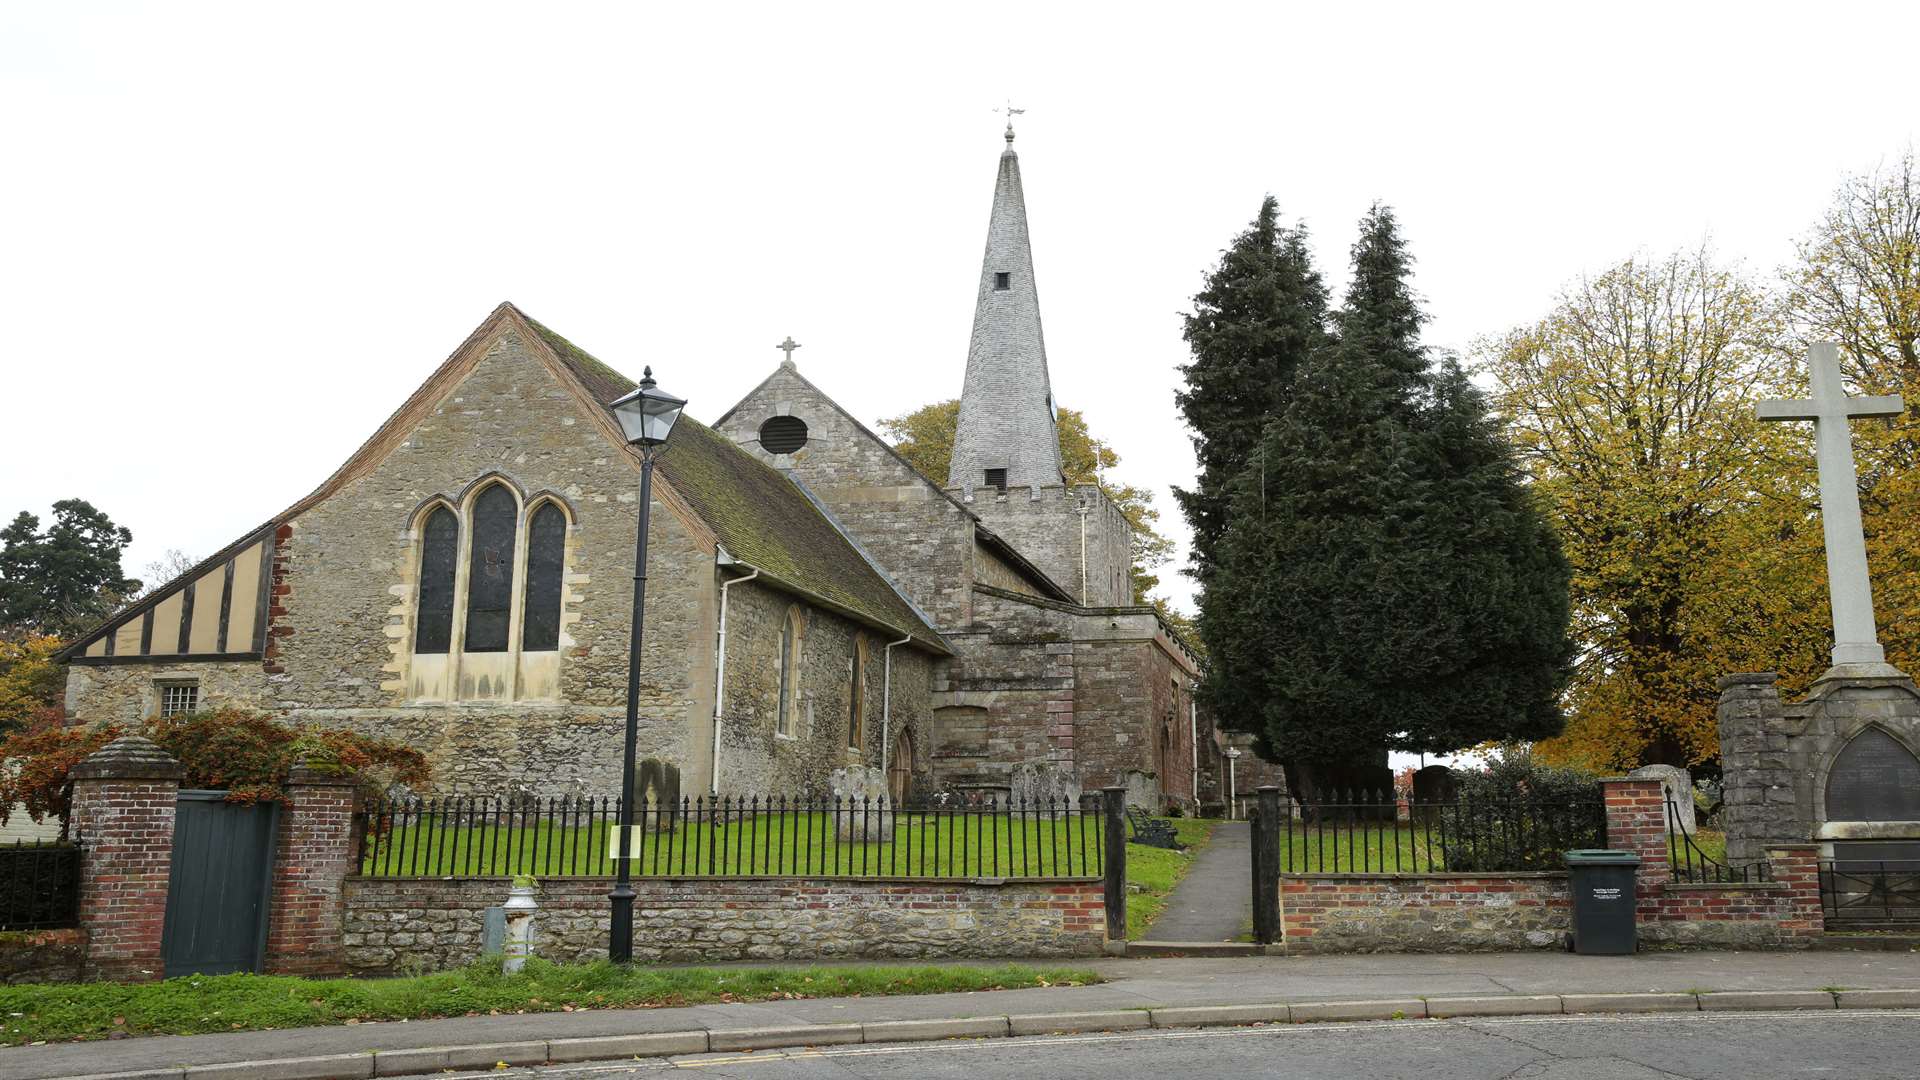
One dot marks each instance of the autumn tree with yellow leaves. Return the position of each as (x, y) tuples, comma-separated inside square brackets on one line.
[(1695, 551)]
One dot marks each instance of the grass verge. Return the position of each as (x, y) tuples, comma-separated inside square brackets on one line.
[(1156, 871), (207, 1003)]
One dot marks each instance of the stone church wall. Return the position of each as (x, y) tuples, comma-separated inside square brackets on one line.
[(1017, 664), (341, 631), (922, 540), (1044, 525), (754, 758)]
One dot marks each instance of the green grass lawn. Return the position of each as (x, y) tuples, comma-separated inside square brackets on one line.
[(786, 844), (1155, 871), (198, 1004)]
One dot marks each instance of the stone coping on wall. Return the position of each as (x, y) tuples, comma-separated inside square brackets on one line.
[(682, 879), (1488, 875)]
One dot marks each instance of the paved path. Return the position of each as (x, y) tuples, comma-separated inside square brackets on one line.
[(1134, 984), (1215, 900)]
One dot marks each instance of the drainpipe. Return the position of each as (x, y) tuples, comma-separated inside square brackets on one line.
[(886, 704), (1083, 549), (720, 663)]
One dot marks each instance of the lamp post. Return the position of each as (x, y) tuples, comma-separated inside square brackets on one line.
[(646, 418)]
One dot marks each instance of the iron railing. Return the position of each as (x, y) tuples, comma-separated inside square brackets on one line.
[(750, 836), (1691, 863), (1375, 833), (39, 886), (1870, 890)]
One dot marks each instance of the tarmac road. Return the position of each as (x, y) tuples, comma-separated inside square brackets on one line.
[(1879, 1045)]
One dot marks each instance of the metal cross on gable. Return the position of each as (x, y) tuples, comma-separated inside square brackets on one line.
[(1855, 641)]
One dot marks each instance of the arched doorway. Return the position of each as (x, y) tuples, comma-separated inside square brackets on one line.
[(900, 767)]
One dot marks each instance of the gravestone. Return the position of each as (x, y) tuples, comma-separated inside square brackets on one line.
[(1678, 785), (656, 786), (1038, 786), (865, 813), (1435, 784)]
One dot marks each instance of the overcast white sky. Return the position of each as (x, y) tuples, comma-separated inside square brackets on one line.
[(234, 237)]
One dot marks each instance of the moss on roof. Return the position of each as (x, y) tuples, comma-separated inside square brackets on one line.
[(758, 514)]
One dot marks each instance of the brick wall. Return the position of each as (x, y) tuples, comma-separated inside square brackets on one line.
[(1491, 912), (406, 922), (313, 855), (1331, 913), (123, 810)]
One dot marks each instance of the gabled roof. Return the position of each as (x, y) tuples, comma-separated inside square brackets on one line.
[(984, 536), (730, 496)]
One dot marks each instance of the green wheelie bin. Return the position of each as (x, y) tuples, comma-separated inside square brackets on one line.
[(1602, 883)]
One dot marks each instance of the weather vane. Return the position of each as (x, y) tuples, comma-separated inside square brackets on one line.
[(1010, 112)]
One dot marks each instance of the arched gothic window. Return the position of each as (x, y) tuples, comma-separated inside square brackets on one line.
[(857, 693), (470, 566), (546, 559), (786, 722), (490, 570), (439, 556)]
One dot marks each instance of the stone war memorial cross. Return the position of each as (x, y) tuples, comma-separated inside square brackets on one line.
[(1856, 644)]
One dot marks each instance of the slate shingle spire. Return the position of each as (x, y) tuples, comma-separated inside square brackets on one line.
[(1006, 410)]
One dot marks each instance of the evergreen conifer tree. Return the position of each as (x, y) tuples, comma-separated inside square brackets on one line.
[(1262, 312), (1384, 579)]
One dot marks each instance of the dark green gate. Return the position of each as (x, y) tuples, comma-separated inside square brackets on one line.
[(217, 895)]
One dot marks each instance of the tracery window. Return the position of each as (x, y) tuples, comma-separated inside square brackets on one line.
[(490, 570), (439, 556), (498, 571)]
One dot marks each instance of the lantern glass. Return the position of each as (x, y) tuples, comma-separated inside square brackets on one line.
[(647, 415)]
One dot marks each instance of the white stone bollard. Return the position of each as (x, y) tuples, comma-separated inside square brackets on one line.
[(519, 908)]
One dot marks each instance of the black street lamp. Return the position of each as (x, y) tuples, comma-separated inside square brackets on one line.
[(646, 417)]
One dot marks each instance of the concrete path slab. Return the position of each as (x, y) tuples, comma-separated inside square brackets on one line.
[(1215, 900)]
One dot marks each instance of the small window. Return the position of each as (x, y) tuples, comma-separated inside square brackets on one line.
[(178, 699), (1002, 281), (785, 722), (997, 479), (783, 434)]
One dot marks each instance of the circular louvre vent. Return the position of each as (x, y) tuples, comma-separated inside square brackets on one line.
[(783, 434)]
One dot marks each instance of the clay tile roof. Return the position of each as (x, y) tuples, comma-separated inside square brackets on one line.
[(758, 514)]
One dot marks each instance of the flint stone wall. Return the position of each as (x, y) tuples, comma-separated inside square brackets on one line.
[(407, 923)]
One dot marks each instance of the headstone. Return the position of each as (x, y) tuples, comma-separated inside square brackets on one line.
[(864, 813), (1039, 786), (1433, 786), (656, 793), (1678, 785)]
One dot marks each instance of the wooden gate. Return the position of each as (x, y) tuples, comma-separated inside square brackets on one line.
[(216, 919)]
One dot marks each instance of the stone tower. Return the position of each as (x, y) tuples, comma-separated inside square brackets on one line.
[(1006, 435)]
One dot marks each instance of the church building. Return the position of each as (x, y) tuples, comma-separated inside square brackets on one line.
[(464, 582)]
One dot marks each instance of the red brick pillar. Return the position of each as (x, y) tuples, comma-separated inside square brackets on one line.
[(123, 807), (1637, 822), (1797, 866), (313, 855)]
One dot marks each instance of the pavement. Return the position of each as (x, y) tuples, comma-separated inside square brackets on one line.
[(1283, 989), (1214, 902)]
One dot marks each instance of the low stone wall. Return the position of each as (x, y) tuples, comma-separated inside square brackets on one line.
[(42, 956), (1365, 913), (420, 923), (1736, 915)]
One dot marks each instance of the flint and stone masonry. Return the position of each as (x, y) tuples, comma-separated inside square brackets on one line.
[(1779, 760)]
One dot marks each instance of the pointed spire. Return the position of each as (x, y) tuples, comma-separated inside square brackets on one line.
[(1006, 410)]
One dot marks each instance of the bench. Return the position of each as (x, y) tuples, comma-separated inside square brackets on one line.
[(1152, 831)]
